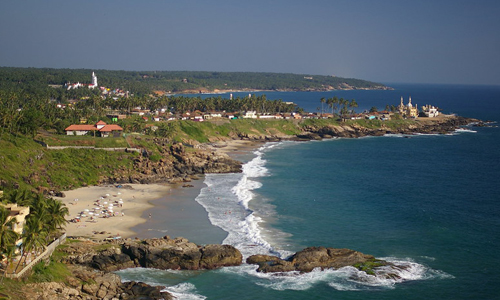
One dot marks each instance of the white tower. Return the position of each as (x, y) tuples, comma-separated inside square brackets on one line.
[(94, 80)]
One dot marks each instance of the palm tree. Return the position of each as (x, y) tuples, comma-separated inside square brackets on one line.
[(56, 212), (8, 236), (323, 100), (352, 105), (332, 102), (34, 236), (9, 253), (21, 197)]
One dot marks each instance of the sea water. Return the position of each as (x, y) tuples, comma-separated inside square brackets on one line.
[(430, 202)]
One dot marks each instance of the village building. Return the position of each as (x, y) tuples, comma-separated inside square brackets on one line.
[(430, 111), (92, 85), (251, 114), (408, 111), (100, 127), (19, 213)]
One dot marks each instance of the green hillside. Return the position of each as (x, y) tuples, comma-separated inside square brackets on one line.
[(145, 82)]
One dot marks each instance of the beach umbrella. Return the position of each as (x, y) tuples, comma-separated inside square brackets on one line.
[(120, 201), (119, 193), (83, 215), (105, 202), (86, 209), (107, 195), (91, 213)]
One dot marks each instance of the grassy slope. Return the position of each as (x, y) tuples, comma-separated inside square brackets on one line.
[(28, 164)]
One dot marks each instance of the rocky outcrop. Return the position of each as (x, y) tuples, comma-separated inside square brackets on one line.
[(86, 283), (91, 264), (423, 126), (175, 164), (309, 259), (165, 253), (179, 162)]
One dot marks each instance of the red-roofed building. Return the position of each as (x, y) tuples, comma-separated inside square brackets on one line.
[(101, 127)]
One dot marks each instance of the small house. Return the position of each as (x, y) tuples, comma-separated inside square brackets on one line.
[(101, 127)]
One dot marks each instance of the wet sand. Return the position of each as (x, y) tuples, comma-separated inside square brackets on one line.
[(150, 210), (82, 204)]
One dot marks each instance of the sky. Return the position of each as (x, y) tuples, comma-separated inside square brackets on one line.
[(387, 41)]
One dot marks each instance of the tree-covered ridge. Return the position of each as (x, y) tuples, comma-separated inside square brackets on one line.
[(143, 82)]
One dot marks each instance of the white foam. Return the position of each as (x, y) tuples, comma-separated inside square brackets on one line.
[(227, 199), (174, 280), (465, 130), (343, 279), (396, 135), (184, 291)]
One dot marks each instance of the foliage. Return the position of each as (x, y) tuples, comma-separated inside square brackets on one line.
[(145, 82), (369, 266), (36, 166), (53, 272)]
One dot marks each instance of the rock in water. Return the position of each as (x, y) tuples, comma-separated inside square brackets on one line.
[(309, 259)]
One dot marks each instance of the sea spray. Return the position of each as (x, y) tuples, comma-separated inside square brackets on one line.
[(227, 200)]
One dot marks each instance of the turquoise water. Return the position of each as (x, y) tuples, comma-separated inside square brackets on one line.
[(429, 201)]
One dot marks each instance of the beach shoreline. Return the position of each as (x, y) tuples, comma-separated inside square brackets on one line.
[(148, 209), (84, 203)]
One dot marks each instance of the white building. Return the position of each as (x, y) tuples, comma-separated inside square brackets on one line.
[(93, 85), (430, 111)]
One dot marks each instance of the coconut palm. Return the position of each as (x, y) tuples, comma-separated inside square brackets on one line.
[(56, 213), (21, 197), (34, 236), (323, 101), (8, 236), (9, 253)]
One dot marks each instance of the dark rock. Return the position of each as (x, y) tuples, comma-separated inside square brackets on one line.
[(309, 259), (162, 254), (216, 256)]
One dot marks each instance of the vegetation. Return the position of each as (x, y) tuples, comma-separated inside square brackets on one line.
[(369, 266), (343, 106), (145, 82), (46, 218), (26, 164)]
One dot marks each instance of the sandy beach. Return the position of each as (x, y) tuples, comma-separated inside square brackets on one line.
[(83, 203), (168, 205)]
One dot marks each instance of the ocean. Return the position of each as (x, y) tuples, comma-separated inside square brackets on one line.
[(431, 202)]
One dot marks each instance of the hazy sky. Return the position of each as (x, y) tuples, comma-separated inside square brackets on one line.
[(425, 41)]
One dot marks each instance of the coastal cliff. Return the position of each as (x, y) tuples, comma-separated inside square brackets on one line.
[(180, 163), (177, 164), (92, 264), (167, 160)]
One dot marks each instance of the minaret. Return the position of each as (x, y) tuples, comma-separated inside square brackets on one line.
[(409, 102)]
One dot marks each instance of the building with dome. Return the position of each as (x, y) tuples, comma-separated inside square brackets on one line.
[(408, 110)]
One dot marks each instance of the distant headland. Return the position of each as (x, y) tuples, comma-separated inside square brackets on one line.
[(161, 82)]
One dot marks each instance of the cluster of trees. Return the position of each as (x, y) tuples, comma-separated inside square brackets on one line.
[(47, 216), (260, 104), (25, 113), (143, 83), (342, 107)]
